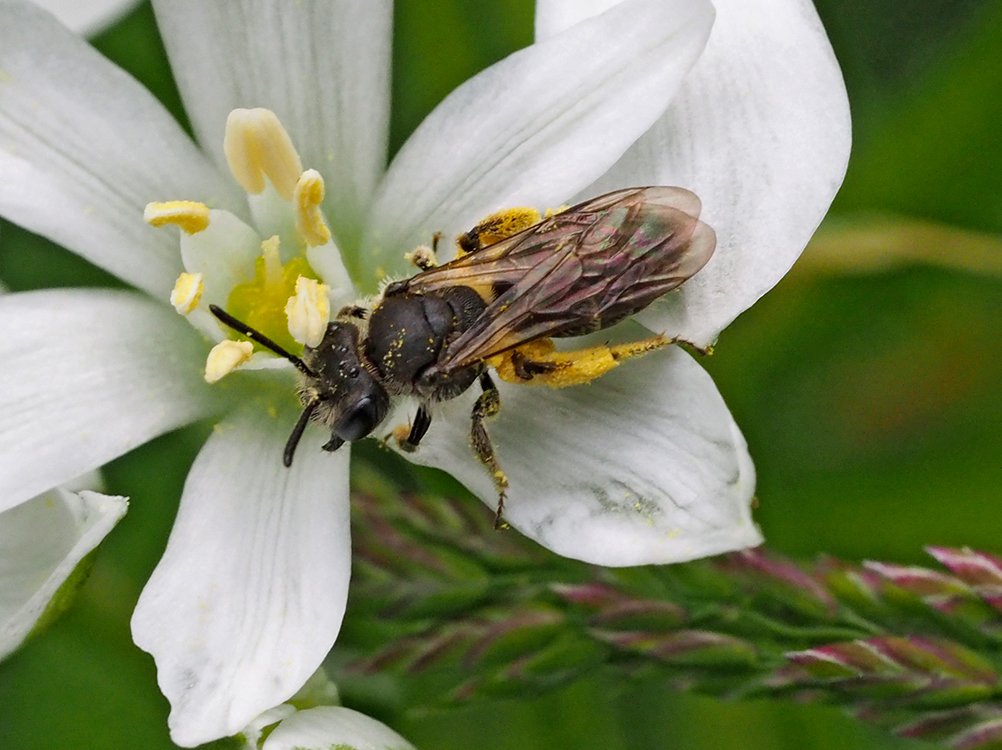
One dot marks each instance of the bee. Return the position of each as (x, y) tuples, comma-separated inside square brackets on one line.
[(497, 306)]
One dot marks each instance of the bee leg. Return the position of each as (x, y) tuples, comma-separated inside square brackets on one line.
[(409, 442), (487, 405), (495, 228), (425, 257), (527, 369), (546, 366)]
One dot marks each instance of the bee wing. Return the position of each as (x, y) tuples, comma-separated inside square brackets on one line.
[(579, 271)]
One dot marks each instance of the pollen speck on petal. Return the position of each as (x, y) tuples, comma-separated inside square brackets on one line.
[(225, 357)]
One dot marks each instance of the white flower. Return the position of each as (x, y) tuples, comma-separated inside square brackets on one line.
[(645, 465), (333, 727), (42, 542)]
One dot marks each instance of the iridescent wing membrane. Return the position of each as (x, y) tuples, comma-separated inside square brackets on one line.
[(578, 271)]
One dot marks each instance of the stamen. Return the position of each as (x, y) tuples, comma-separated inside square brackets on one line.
[(308, 196), (225, 357), (308, 311), (257, 146), (191, 216), (187, 292), (272, 260)]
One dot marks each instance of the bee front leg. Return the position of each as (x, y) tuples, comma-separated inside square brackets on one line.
[(408, 438), (487, 405)]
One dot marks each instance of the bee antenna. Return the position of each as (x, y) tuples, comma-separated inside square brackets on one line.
[(255, 335), (297, 431)]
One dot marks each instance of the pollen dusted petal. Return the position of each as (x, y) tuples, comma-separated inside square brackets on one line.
[(258, 146), (308, 311), (187, 292), (225, 357), (308, 196), (190, 216)]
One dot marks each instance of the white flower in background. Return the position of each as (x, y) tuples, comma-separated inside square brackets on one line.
[(42, 543), (328, 727), (643, 466)]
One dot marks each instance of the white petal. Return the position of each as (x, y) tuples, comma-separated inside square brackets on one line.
[(322, 67), (250, 593), (760, 131), (41, 543), (554, 16), (87, 17), (224, 253), (645, 465), (537, 127), (85, 376), (333, 727), (83, 148)]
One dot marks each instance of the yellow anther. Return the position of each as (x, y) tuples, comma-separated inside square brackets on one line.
[(308, 196), (257, 146), (187, 292), (190, 216), (225, 357), (308, 311)]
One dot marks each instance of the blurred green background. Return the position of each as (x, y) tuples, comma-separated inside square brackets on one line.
[(869, 397)]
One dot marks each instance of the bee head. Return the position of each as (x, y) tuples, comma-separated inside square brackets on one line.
[(342, 392), (338, 390)]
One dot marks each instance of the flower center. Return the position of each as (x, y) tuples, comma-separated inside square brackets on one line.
[(261, 302), (281, 272)]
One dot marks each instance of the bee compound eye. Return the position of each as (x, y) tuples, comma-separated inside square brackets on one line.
[(360, 419)]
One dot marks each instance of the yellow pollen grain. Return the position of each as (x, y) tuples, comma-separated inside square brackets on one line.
[(225, 357), (307, 197), (308, 311), (187, 292), (191, 216), (258, 146)]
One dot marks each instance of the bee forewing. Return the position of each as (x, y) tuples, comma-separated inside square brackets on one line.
[(701, 246), (678, 198)]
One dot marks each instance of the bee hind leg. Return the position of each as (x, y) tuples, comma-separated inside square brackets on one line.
[(539, 362), (487, 405), (496, 227)]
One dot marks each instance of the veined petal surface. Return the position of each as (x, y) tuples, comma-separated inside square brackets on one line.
[(249, 595), (86, 376), (645, 465), (322, 66), (537, 127), (41, 543), (328, 727), (84, 147), (760, 131)]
